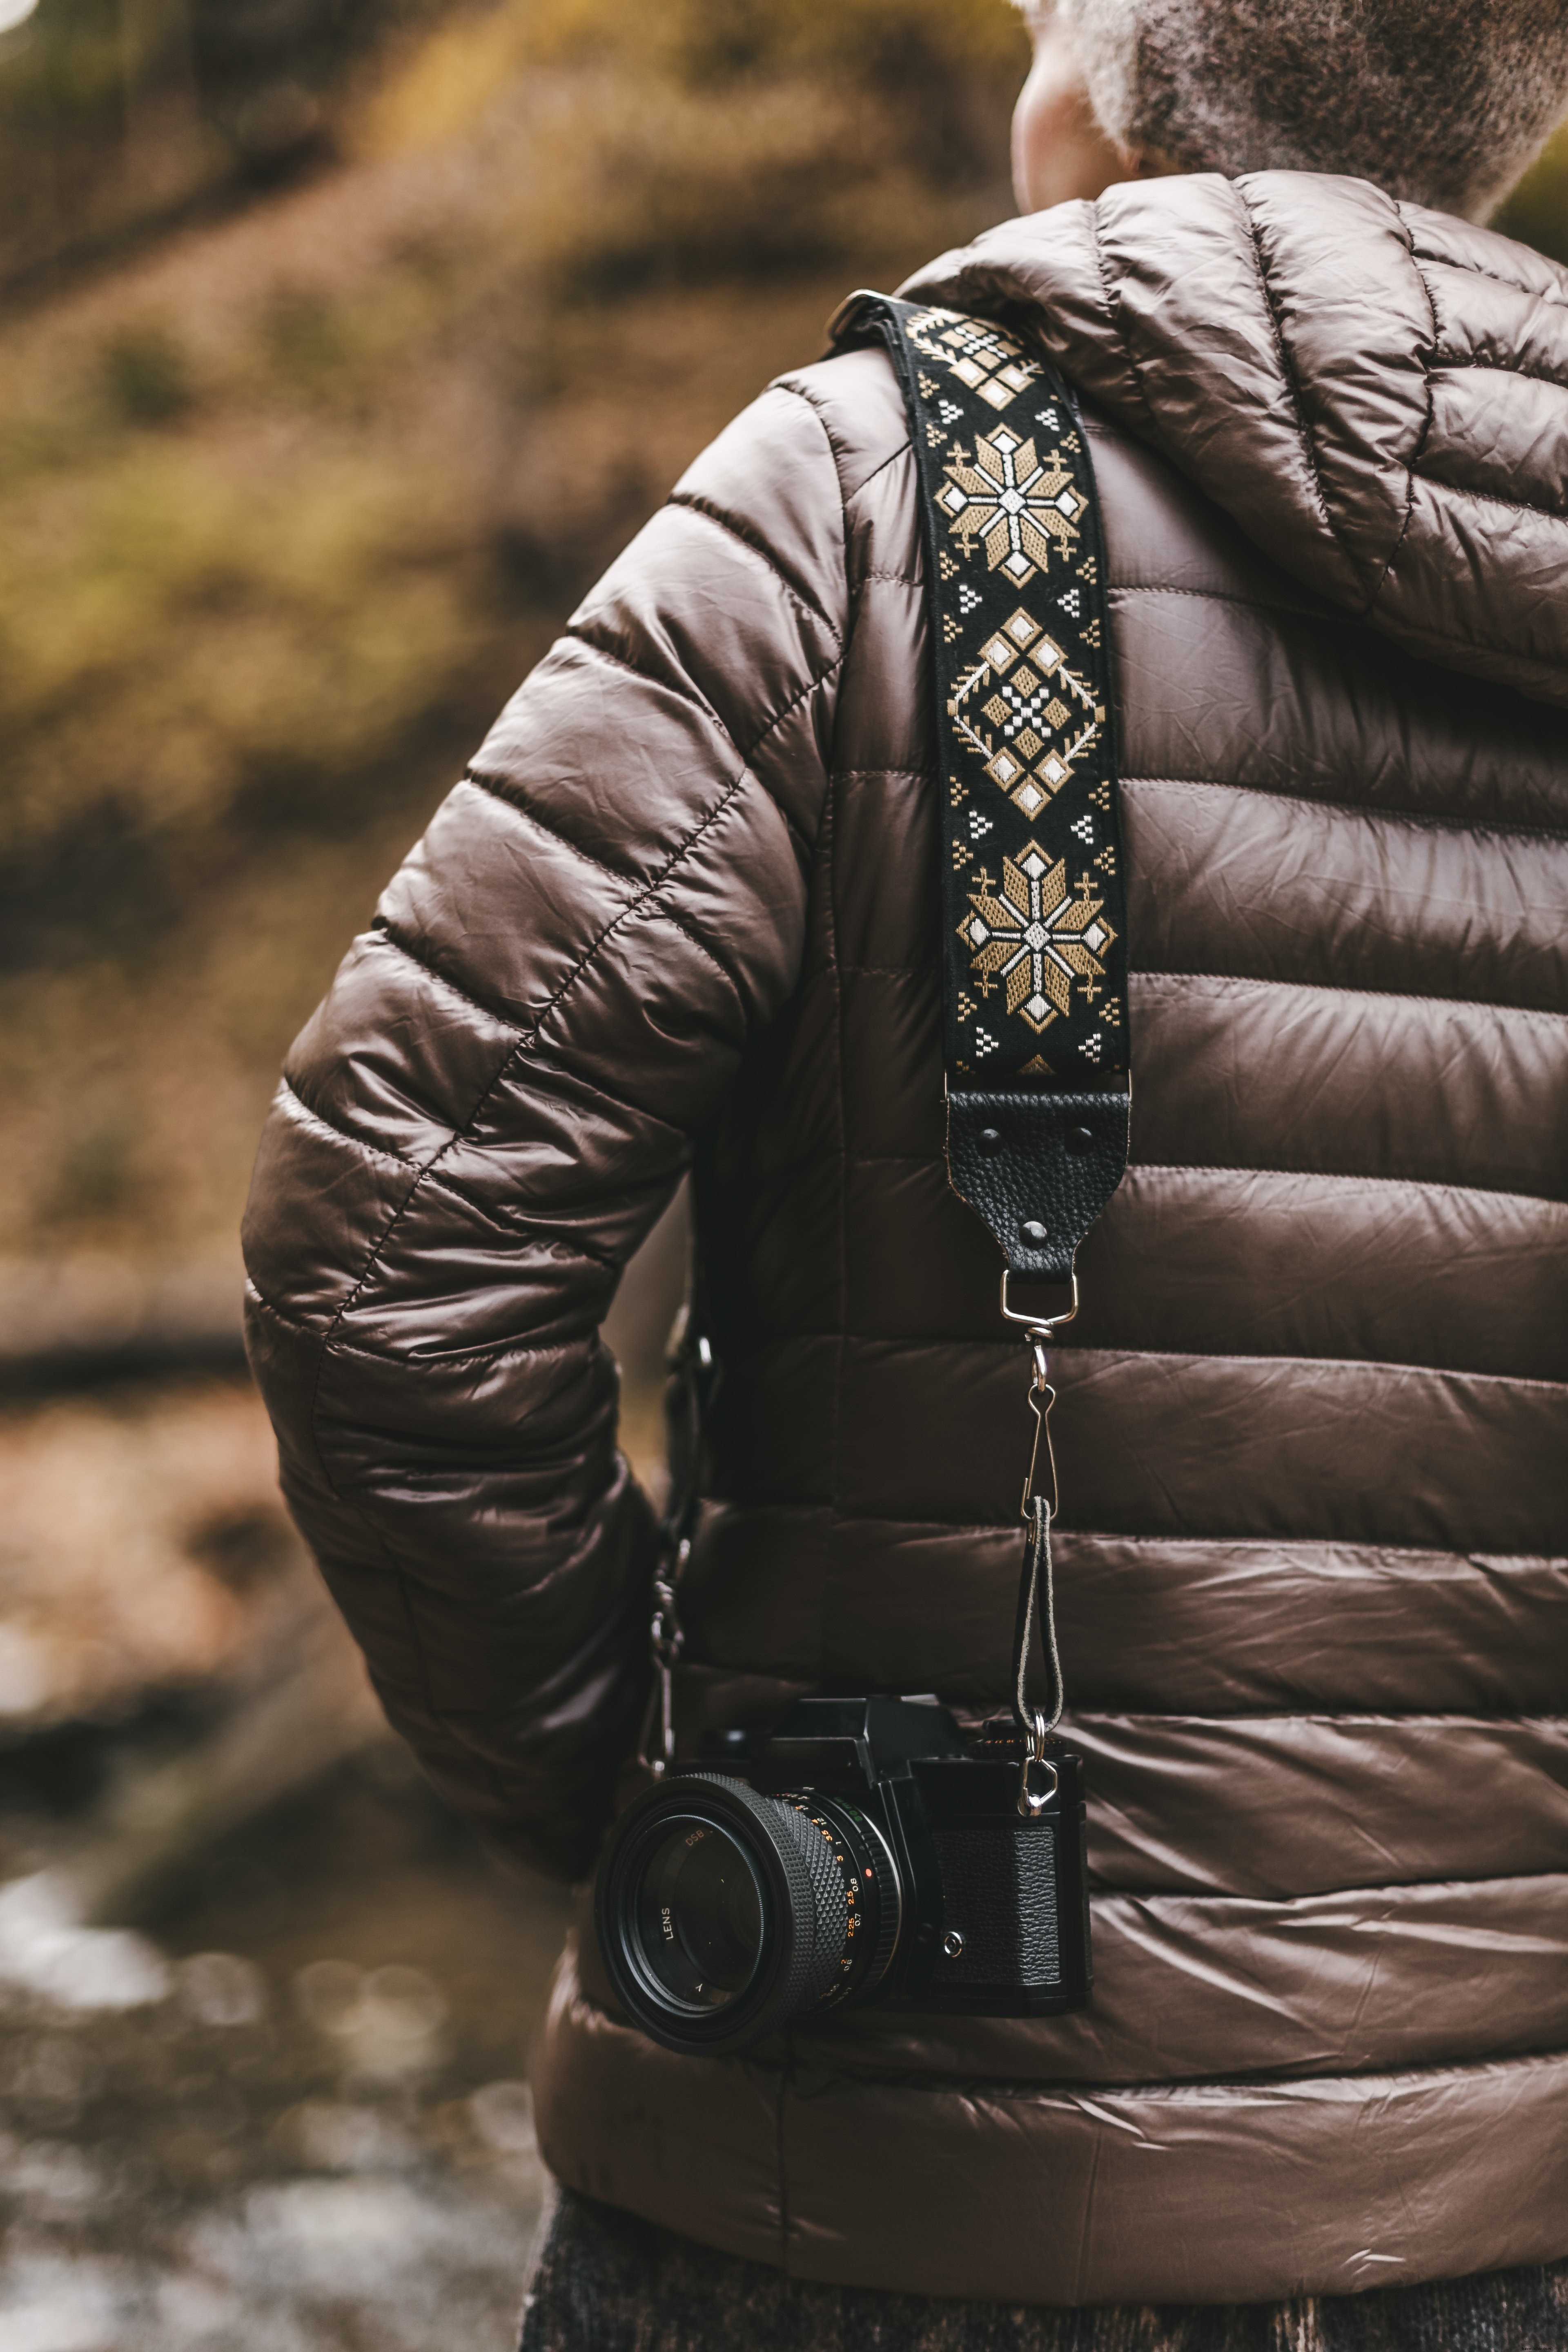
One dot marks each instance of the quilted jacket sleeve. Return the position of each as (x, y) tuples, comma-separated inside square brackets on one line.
[(498, 1096)]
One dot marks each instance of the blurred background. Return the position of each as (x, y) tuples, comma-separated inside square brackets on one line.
[(344, 341)]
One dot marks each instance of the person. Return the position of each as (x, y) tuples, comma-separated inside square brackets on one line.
[(680, 915)]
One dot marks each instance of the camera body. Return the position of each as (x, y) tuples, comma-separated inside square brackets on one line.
[(861, 1852)]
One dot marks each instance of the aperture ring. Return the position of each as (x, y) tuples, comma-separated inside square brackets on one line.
[(872, 1893)]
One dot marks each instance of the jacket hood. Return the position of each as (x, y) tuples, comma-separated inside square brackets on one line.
[(1378, 393)]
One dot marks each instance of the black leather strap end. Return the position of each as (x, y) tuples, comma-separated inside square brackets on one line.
[(1038, 1168)]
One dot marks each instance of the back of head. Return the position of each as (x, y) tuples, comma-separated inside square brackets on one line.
[(1444, 101)]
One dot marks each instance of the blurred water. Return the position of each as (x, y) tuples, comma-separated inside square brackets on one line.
[(289, 2112)]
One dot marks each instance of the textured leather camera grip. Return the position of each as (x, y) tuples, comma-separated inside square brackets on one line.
[(999, 1894), (1038, 1168)]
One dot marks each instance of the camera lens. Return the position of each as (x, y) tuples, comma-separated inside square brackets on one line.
[(722, 1913), (699, 1914)]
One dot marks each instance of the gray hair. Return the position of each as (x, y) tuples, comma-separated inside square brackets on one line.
[(1445, 101)]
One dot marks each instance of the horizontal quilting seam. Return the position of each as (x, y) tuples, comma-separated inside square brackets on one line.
[(1071, 1353), (443, 1359), (896, 578), (1005, 1530), (904, 775), (505, 789), (382, 930), (666, 685), (313, 1117), (747, 754), (1475, 269), (1100, 426), (939, 1342), (690, 502), (1451, 1719), (259, 1299), (1479, 1193), (1420, 1184), (447, 1183), (1491, 498), (585, 1086), (1344, 988), (920, 975), (1247, 2083), (1479, 829), (520, 1226), (1441, 1372), (520, 1604), (1451, 641), (658, 910), (509, 791), (1324, 617)]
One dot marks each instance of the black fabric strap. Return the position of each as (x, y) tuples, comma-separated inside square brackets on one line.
[(1034, 923)]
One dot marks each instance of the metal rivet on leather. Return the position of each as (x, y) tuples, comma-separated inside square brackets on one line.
[(990, 1141), (1078, 1139), (952, 1944), (1034, 1231)]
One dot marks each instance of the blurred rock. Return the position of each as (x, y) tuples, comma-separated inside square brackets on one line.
[(71, 1322)]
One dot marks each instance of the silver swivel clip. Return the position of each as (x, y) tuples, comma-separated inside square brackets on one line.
[(1042, 1396), (1039, 1778), (1034, 1800), (667, 1641)]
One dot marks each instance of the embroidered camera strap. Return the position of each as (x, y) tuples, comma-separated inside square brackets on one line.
[(1034, 926)]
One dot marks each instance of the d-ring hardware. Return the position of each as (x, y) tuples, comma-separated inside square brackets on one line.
[(1032, 1803), (1037, 1322)]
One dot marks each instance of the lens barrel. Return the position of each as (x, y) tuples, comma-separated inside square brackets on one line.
[(722, 1913)]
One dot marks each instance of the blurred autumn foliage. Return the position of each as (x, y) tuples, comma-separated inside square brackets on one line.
[(309, 441), (348, 339)]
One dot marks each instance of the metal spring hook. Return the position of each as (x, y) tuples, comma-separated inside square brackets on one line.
[(667, 1642), (1042, 1396), (1033, 1802)]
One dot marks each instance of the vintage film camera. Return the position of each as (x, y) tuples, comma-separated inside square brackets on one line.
[(864, 1851)]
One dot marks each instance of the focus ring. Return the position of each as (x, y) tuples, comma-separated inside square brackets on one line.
[(820, 1958), (819, 1905), (872, 1935)]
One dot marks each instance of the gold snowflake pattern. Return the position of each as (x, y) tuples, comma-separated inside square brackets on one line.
[(1034, 937), (1013, 502)]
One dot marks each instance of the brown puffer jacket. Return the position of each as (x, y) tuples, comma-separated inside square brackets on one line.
[(1311, 1427)]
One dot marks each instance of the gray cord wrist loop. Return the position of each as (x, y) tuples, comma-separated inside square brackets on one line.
[(1036, 1597)]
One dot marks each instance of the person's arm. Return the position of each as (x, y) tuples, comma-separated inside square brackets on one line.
[(496, 1100)]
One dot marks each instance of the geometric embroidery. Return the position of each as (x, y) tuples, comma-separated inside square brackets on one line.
[(1035, 728), (1034, 937), (1017, 598), (1015, 505)]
